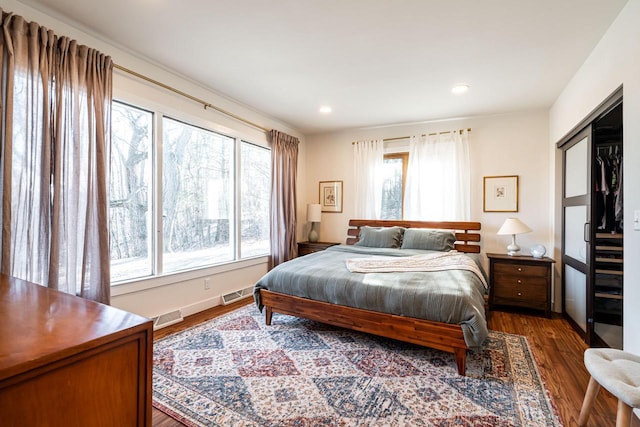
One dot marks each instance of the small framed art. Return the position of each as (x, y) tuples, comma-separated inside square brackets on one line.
[(331, 196), (501, 193)]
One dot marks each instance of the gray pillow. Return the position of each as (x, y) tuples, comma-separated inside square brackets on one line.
[(435, 240), (380, 237)]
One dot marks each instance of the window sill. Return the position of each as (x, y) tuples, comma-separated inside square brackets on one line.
[(145, 283)]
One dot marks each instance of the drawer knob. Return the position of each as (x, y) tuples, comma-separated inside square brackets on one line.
[(519, 281), (519, 268), (519, 294)]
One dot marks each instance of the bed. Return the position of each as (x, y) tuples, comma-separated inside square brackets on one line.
[(442, 309)]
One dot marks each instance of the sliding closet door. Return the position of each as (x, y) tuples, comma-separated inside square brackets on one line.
[(576, 205)]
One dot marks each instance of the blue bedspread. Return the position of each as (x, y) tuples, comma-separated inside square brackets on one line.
[(451, 296)]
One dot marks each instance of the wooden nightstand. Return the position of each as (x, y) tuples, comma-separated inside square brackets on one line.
[(305, 248), (520, 281)]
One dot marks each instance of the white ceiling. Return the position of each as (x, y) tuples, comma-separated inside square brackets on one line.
[(375, 62)]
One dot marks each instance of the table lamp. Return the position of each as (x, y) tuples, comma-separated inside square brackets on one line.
[(313, 215), (513, 226)]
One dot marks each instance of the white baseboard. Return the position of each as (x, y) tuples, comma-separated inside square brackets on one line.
[(201, 305), (175, 316)]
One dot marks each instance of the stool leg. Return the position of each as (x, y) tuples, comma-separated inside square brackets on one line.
[(623, 418), (589, 398)]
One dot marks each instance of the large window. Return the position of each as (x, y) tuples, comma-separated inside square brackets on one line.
[(214, 204), (130, 193), (256, 187), (197, 197), (394, 172)]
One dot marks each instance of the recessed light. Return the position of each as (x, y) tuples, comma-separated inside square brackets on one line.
[(459, 89), (325, 109)]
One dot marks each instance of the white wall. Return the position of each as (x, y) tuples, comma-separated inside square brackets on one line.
[(509, 144), (615, 61), (183, 291)]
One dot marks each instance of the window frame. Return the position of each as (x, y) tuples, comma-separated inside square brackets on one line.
[(404, 155), (192, 117), (151, 227)]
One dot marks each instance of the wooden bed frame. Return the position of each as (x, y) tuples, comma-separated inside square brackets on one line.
[(438, 335)]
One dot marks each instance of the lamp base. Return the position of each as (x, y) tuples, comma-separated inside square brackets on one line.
[(313, 235), (513, 250)]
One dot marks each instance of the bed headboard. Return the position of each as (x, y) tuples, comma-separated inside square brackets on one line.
[(467, 237)]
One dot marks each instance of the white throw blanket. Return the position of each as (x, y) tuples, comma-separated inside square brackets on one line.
[(440, 261)]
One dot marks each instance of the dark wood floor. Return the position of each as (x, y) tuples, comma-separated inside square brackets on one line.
[(556, 347)]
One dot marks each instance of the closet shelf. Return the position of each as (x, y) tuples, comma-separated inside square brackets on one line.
[(609, 235), (610, 260), (612, 272), (608, 296), (609, 248)]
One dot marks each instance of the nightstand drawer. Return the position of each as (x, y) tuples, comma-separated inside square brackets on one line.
[(531, 291), (306, 248), (521, 270), (513, 280)]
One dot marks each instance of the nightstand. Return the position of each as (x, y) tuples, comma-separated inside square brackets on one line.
[(305, 248), (520, 281)]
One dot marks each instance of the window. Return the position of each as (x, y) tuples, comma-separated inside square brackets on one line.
[(395, 172), (197, 197), (256, 188), (130, 192), (214, 203)]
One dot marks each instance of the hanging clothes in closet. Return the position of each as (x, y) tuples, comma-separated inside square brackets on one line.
[(608, 190)]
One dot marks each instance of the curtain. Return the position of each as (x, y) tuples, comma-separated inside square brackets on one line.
[(438, 180), (56, 115), (368, 163), (284, 166)]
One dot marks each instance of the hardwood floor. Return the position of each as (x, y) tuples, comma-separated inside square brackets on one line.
[(557, 348)]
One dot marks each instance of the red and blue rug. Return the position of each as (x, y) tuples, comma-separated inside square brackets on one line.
[(236, 371)]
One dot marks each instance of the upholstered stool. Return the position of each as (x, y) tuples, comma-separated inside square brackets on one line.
[(619, 373)]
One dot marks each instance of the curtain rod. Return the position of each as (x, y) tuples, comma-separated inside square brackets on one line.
[(205, 104), (399, 138), (179, 92)]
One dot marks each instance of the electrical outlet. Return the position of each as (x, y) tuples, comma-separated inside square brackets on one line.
[(207, 283)]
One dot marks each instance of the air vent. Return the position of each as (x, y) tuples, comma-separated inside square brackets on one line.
[(167, 319), (234, 296)]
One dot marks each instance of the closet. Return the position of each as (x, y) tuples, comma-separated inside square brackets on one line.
[(592, 225)]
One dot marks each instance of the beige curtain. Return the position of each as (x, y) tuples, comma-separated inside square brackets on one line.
[(284, 166), (56, 115)]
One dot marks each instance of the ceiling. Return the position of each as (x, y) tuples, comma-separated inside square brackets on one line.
[(375, 62)]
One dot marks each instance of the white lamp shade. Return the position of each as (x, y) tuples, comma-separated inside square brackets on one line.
[(513, 226), (314, 213)]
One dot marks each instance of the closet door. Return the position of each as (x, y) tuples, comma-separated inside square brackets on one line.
[(576, 247)]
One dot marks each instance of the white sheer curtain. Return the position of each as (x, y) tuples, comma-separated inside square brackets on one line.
[(438, 187), (368, 162)]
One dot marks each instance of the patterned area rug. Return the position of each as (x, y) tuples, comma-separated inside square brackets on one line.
[(236, 371)]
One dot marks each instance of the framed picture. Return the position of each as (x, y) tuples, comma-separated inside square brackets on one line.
[(331, 196), (501, 193)]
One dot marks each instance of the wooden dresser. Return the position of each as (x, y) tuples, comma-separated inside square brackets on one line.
[(520, 281), (67, 361)]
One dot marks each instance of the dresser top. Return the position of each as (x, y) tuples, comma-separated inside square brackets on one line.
[(39, 325)]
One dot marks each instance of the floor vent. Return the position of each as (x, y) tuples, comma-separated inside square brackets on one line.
[(234, 296), (167, 319)]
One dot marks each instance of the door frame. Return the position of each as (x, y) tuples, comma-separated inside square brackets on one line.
[(564, 144)]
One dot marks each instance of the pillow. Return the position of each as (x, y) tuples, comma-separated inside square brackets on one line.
[(380, 237), (435, 240)]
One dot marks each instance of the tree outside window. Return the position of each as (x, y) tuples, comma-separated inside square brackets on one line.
[(395, 172)]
